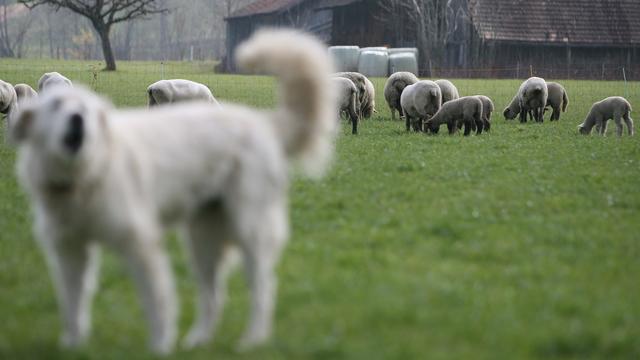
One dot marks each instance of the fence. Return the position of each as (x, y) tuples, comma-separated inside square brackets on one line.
[(583, 72)]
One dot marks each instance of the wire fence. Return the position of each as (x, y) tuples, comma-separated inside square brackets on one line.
[(577, 72)]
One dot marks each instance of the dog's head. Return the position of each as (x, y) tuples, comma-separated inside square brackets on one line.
[(62, 133)]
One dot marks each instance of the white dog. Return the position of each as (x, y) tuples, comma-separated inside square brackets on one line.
[(97, 175)]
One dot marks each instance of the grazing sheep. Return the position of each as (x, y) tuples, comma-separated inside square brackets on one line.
[(419, 102), (487, 109), (347, 94), (8, 104), (178, 90), (532, 96), (614, 107), (52, 79), (467, 109), (449, 91), (393, 90), (557, 99), (25, 92), (366, 91)]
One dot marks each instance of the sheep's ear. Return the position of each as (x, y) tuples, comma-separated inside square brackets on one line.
[(21, 125)]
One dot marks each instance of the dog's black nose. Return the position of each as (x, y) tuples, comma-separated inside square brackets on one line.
[(75, 133)]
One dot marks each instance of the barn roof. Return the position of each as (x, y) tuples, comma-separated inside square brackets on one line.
[(262, 7), (586, 22)]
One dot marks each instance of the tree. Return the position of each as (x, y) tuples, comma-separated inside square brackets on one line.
[(12, 35), (103, 14)]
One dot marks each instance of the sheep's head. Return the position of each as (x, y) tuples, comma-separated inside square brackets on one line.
[(582, 129), (509, 114)]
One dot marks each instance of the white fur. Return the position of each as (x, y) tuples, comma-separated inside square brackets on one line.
[(178, 90), (52, 79), (8, 105), (219, 174)]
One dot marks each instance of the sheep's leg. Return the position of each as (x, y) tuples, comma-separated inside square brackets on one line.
[(452, 126), (478, 123), (407, 120), (393, 112), (629, 122), (556, 113), (523, 115), (467, 127), (354, 125), (618, 120)]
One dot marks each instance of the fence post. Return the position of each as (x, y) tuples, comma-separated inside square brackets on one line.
[(602, 78), (624, 76), (518, 70), (530, 70), (162, 70)]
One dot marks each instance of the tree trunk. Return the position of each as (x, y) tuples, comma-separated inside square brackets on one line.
[(103, 32)]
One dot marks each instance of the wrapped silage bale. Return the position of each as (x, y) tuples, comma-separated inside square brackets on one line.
[(403, 62), (375, 48), (373, 63), (345, 58), (404, 50)]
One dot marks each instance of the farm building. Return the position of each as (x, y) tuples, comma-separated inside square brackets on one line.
[(481, 38)]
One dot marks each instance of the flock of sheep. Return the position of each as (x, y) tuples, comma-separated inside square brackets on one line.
[(424, 104)]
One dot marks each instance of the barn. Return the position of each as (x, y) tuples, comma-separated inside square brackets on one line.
[(581, 39), (337, 22)]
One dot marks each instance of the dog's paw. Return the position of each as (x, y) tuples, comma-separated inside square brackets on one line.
[(195, 338)]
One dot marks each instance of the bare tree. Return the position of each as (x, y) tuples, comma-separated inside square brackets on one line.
[(12, 36), (103, 14)]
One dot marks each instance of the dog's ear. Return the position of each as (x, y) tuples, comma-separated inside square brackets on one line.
[(21, 125)]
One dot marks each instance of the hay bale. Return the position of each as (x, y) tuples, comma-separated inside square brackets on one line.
[(375, 48), (374, 63), (403, 62), (345, 58)]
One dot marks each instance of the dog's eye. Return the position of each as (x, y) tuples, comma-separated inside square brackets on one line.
[(75, 133)]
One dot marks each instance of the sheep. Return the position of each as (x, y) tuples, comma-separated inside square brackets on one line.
[(8, 105), (532, 96), (24, 92), (178, 90), (614, 107), (52, 79), (393, 90), (487, 109), (557, 99), (420, 101), (366, 92), (347, 94), (467, 109), (449, 91)]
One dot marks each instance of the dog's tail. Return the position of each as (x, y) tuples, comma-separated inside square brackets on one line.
[(305, 118)]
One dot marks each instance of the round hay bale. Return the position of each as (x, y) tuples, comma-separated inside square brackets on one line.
[(345, 58), (404, 50), (373, 63), (403, 62)]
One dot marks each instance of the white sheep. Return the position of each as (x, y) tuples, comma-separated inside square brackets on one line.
[(557, 99), (348, 103), (449, 91), (24, 92), (614, 107), (178, 90), (419, 102), (487, 109), (532, 96), (366, 92), (466, 110), (393, 90), (53, 79), (8, 104)]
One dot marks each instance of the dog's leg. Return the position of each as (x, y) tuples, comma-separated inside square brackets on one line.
[(209, 245), (261, 247), (151, 270), (75, 269)]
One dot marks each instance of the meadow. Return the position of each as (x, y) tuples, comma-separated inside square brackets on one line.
[(522, 243)]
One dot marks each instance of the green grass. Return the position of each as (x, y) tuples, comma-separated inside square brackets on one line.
[(523, 243)]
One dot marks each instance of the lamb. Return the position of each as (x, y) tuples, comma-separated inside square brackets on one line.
[(449, 91), (393, 90), (614, 107), (419, 102), (178, 90), (366, 92), (487, 109), (347, 94), (532, 96), (557, 99), (53, 79), (467, 109), (8, 104), (25, 92)]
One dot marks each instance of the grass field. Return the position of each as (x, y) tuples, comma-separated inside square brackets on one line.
[(523, 243)]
